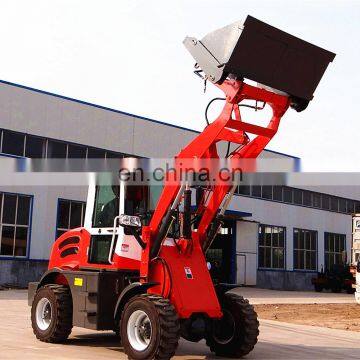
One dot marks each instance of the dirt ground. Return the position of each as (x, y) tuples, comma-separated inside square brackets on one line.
[(335, 316)]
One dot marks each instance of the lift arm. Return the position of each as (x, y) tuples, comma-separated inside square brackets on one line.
[(224, 128)]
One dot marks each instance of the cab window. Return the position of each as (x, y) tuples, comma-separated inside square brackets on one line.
[(136, 200), (106, 205)]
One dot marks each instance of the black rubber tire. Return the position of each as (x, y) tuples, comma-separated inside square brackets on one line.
[(61, 319), (165, 327), (246, 331), (318, 288)]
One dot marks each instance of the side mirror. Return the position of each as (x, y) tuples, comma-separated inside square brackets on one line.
[(128, 220)]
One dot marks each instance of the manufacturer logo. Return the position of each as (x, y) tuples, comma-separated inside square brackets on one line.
[(125, 248), (188, 273)]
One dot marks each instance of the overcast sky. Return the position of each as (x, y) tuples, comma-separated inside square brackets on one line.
[(128, 55)]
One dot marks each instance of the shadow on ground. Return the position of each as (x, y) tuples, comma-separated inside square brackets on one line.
[(112, 342), (191, 351)]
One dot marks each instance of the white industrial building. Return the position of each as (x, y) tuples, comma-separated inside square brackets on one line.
[(275, 236)]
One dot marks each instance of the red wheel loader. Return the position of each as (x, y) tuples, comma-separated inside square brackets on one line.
[(124, 271)]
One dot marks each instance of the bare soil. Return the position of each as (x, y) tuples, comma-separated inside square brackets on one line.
[(335, 316)]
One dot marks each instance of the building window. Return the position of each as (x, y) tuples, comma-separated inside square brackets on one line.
[(272, 247), (334, 203), (56, 149), (71, 214), (277, 193), (288, 195), (298, 199), (350, 206), (244, 190), (342, 205), (325, 202), (13, 143), (114, 155), (34, 147), (267, 192), (14, 224), (95, 153), (307, 198), (305, 249), (316, 200), (357, 206), (335, 249), (256, 191), (76, 151)]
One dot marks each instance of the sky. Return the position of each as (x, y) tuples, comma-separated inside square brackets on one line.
[(128, 55)]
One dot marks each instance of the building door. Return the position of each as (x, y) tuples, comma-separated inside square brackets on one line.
[(246, 252), (222, 254)]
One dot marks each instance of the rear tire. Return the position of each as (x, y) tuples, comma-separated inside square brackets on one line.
[(51, 313), (318, 288), (235, 335), (149, 328)]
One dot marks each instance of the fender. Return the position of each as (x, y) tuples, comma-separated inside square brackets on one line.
[(129, 292), (52, 276)]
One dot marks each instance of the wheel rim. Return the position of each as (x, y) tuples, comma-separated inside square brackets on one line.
[(43, 314), (224, 329), (139, 330)]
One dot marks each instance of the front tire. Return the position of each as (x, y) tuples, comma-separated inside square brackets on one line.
[(51, 313), (149, 328), (235, 335)]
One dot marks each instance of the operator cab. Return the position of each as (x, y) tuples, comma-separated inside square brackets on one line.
[(109, 200)]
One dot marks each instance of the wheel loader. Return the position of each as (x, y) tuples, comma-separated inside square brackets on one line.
[(128, 270)]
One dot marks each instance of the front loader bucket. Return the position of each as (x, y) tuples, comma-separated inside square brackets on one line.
[(263, 53)]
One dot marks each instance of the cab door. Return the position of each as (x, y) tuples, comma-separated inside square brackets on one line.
[(109, 244), (103, 207)]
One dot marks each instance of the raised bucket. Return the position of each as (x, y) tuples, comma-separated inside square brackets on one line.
[(263, 53)]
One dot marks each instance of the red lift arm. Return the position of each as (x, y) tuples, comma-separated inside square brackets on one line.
[(225, 128)]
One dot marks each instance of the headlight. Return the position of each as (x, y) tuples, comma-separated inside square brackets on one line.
[(128, 220)]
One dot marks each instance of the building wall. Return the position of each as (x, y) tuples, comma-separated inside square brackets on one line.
[(55, 117), (21, 272), (289, 216)]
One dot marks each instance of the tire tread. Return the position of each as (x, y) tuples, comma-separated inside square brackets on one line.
[(250, 329), (169, 325)]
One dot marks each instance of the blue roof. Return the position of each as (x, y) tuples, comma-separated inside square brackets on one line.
[(116, 111)]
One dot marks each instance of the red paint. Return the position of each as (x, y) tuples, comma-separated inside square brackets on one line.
[(80, 260)]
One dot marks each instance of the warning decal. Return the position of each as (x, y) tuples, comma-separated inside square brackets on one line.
[(78, 281)]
